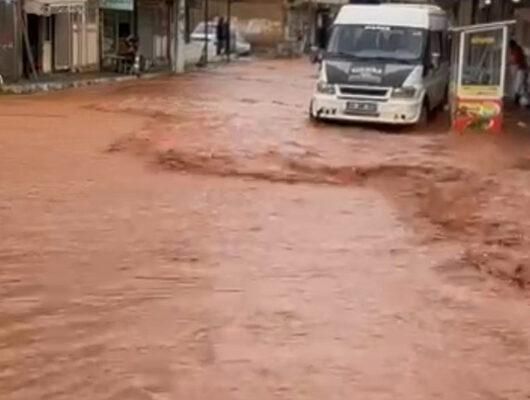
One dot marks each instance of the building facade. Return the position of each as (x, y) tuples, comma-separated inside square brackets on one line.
[(62, 35), (470, 12), (308, 21), (261, 22), (42, 37)]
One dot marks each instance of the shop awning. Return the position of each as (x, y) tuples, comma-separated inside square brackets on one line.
[(120, 5), (322, 2), (49, 7)]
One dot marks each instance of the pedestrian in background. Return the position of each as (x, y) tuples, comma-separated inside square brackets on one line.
[(220, 35), (519, 71), (227, 36)]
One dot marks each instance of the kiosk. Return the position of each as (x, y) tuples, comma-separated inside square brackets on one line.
[(480, 71)]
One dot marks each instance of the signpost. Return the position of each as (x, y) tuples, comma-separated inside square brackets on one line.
[(481, 76)]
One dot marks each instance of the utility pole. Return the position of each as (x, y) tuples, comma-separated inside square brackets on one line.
[(25, 35), (229, 29), (135, 20), (179, 27), (206, 31)]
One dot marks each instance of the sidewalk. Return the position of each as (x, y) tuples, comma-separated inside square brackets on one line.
[(63, 81)]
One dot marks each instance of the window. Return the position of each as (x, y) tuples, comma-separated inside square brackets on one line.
[(399, 44), (435, 44), (482, 58), (92, 11)]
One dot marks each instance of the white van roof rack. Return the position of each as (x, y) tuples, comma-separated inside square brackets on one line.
[(480, 27)]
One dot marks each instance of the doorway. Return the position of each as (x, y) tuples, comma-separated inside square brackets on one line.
[(324, 22), (33, 31)]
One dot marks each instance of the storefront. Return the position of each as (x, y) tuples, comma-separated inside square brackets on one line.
[(62, 35), (117, 23), (154, 22), (152, 30)]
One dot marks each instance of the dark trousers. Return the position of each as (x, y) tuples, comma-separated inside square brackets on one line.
[(220, 47)]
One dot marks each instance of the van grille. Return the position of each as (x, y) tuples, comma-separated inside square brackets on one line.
[(363, 91)]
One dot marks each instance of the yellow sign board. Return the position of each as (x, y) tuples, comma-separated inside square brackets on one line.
[(483, 40), (479, 91)]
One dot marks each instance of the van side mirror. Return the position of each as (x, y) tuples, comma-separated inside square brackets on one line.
[(320, 56), (435, 60), (316, 55)]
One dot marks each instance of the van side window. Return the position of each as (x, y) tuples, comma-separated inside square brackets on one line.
[(435, 43)]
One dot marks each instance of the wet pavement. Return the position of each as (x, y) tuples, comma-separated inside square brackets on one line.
[(198, 238)]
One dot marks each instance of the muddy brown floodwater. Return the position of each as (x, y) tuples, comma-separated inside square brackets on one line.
[(198, 238)]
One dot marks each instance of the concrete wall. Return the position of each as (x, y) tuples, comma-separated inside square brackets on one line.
[(465, 13), (523, 28)]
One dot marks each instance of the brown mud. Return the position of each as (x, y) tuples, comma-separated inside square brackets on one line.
[(197, 238), (459, 203)]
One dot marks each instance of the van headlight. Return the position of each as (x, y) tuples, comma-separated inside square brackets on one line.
[(404, 92), (325, 88)]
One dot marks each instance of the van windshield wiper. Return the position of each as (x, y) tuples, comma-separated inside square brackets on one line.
[(343, 54), (388, 59)]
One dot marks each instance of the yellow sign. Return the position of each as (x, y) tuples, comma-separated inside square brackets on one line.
[(482, 40), (479, 91)]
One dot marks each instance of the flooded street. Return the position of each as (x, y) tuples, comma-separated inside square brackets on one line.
[(198, 238)]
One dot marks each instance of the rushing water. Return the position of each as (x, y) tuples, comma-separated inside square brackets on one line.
[(196, 238)]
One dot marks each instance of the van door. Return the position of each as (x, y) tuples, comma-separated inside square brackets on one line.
[(437, 68), (445, 67)]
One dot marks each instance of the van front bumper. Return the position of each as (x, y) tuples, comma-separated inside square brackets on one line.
[(388, 111)]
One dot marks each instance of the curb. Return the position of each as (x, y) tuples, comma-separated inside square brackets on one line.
[(39, 87), (36, 87), (219, 63)]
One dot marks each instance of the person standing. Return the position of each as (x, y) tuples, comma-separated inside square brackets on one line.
[(229, 41), (220, 35), (519, 71)]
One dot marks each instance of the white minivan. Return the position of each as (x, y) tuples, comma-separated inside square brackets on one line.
[(386, 63)]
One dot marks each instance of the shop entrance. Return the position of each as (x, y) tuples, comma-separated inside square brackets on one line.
[(34, 41), (117, 27)]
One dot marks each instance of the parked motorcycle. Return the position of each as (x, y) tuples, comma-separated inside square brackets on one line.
[(136, 61)]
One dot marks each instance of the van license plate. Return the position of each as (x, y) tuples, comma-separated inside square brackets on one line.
[(353, 107)]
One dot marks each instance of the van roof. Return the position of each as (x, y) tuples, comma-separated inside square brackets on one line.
[(413, 15)]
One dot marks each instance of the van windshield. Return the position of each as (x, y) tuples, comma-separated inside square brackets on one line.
[(386, 43)]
